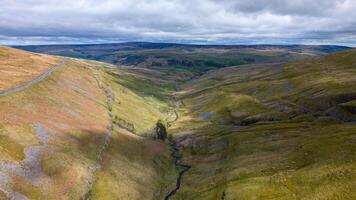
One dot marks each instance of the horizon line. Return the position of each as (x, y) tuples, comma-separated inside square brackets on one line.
[(178, 43)]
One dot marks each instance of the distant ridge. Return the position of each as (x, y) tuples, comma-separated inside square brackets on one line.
[(188, 57), (155, 45)]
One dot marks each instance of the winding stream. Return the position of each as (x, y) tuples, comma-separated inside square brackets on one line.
[(177, 163)]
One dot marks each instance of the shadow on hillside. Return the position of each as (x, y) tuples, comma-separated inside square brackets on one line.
[(142, 164), (144, 87)]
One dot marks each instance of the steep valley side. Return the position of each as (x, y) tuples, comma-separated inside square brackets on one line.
[(78, 134), (270, 131)]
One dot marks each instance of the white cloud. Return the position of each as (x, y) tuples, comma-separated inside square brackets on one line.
[(178, 20)]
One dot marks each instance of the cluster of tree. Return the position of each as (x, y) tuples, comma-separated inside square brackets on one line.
[(124, 124), (161, 131)]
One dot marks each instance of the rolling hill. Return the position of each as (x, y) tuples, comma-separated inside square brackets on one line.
[(192, 58), (244, 122)]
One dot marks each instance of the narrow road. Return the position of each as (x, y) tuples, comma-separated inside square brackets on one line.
[(32, 82)]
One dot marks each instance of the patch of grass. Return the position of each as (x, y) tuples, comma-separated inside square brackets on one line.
[(134, 168), (2, 195), (19, 66), (32, 192), (135, 106), (143, 87), (11, 147)]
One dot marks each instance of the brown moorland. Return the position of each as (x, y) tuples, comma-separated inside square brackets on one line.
[(53, 136), (17, 66)]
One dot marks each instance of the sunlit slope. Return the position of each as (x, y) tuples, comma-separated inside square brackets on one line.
[(52, 131), (58, 137), (134, 167), (271, 131), (17, 66)]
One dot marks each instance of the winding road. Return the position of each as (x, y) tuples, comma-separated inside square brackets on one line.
[(32, 82)]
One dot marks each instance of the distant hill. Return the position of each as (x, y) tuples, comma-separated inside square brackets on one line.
[(193, 58)]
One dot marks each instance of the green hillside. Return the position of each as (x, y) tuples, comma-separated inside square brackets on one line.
[(280, 131)]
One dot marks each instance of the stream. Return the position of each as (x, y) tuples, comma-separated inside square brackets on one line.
[(177, 163)]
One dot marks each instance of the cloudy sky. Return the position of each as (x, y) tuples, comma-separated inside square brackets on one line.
[(184, 21)]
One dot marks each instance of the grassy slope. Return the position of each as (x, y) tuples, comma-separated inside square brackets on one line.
[(76, 121), (134, 167), (72, 109), (271, 131), (11, 62)]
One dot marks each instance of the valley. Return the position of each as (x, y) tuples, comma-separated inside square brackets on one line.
[(243, 122)]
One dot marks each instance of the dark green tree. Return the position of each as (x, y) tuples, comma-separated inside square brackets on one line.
[(161, 131)]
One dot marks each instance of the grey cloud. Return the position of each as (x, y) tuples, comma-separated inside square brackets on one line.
[(295, 7), (209, 21)]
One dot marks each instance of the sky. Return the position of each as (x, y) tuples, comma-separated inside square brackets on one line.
[(24, 22)]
